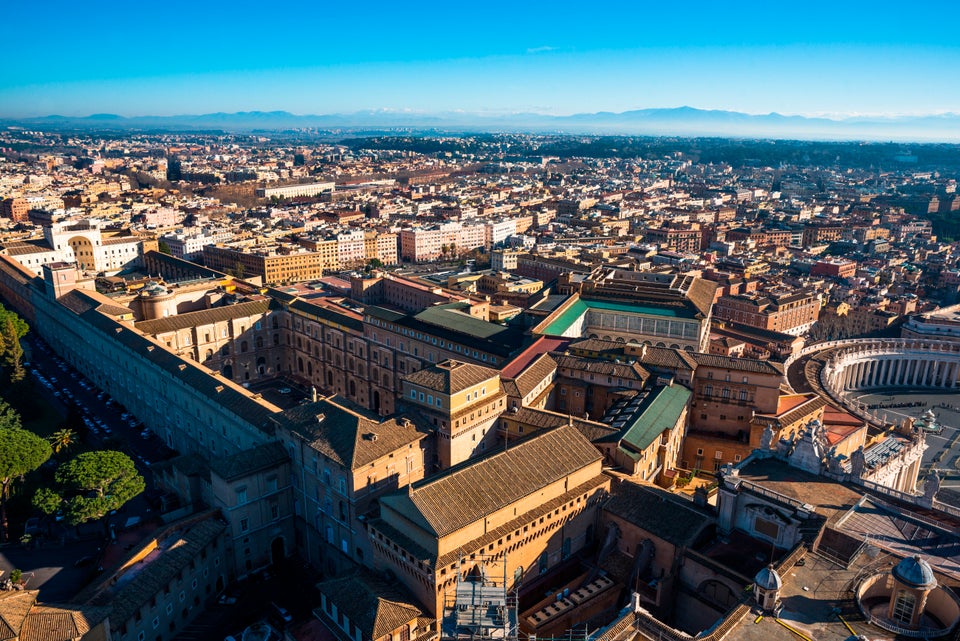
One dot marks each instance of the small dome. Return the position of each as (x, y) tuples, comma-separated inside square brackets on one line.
[(915, 573), (768, 579)]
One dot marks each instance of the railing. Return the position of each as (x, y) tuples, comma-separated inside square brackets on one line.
[(776, 496)]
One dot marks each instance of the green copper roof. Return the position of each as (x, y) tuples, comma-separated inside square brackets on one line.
[(563, 322), (662, 412)]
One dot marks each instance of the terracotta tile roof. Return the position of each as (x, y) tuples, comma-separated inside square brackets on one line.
[(347, 437), (375, 605), (61, 623), (645, 507), (203, 317), (787, 402), (177, 545), (546, 420), (450, 377), (738, 364), (634, 371), (540, 369), (249, 461), (79, 301), (446, 503), (14, 608)]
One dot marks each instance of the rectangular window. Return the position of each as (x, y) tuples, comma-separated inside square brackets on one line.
[(244, 525)]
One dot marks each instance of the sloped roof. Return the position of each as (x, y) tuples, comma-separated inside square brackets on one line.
[(14, 608), (347, 437), (738, 364), (547, 420), (644, 419), (376, 606), (450, 377), (540, 369), (61, 623), (646, 507), (203, 317), (465, 494), (177, 546), (249, 461)]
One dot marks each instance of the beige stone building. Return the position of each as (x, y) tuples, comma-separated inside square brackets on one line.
[(525, 510), (461, 402)]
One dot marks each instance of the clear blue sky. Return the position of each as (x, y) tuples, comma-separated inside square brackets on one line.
[(175, 57)]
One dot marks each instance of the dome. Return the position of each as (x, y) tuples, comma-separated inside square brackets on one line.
[(915, 573), (768, 579)]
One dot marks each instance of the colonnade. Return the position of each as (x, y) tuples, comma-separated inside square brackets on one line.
[(897, 371)]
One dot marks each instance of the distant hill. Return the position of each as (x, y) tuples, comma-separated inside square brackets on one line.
[(680, 121)]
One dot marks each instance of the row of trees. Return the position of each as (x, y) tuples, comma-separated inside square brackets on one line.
[(12, 329)]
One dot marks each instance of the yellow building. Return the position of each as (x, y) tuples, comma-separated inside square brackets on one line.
[(462, 401), (530, 507)]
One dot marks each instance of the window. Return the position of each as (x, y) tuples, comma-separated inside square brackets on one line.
[(904, 606), (241, 495), (244, 525)]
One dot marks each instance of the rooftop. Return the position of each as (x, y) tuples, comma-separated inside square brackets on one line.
[(465, 494)]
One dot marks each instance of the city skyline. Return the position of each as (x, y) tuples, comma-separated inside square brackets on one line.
[(823, 62)]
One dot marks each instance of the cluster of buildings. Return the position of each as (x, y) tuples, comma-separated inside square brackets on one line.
[(610, 433)]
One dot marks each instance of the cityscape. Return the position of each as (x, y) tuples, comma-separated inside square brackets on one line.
[(530, 366)]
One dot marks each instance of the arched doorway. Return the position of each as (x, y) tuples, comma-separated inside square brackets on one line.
[(83, 252), (277, 553), (228, 371), (376, 401)]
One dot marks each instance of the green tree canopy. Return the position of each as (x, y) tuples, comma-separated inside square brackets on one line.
[(9, 418), (95, 483), (21, 452), (47, 501)]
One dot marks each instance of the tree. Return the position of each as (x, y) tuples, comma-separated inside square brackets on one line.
[(374, 263), (12, 331), (20, 452), (47, 501), (95, 483), (9, 419), (62, 439), (163, 247)]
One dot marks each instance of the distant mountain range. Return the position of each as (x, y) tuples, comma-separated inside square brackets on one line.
[(680, 121)]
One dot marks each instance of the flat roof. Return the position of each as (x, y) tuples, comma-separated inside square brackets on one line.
[(573, 313)]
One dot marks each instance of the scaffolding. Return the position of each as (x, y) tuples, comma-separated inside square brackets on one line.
[(481, 606)]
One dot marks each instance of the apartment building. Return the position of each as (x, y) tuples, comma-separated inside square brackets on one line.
[(274, 263), (787, 312)]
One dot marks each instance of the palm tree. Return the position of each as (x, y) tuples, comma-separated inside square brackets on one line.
[(63, 439)]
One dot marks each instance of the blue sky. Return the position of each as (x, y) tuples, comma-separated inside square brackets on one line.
[(811, 58)]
